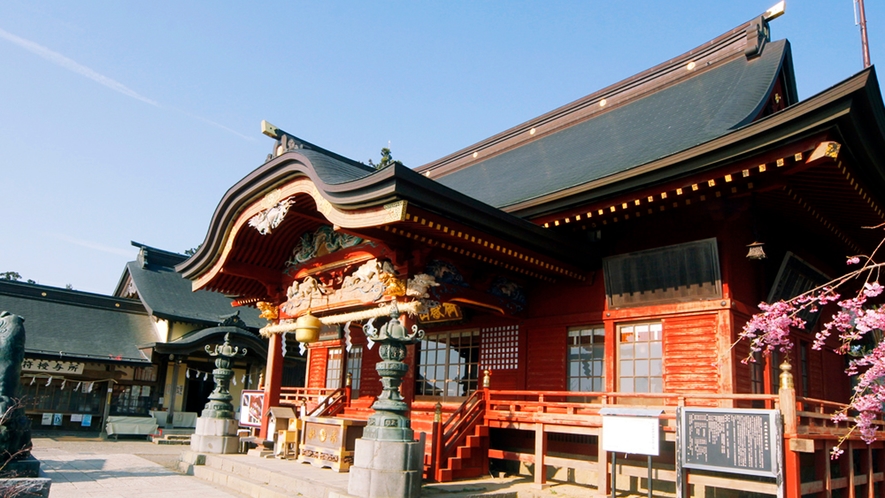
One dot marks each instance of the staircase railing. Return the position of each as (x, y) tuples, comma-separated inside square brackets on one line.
[(331, 405), (449, 435), (318, 402)]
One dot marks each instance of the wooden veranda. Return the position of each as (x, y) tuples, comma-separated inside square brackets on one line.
[(560, 431)]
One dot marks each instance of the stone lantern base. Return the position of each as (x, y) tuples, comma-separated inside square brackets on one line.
[(386, 469), (215, 435)]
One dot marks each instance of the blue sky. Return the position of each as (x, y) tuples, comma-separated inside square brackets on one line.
[(124, 121)]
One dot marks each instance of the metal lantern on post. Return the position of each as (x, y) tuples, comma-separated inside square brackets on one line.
[(219, 405), (390, 422), (388, 431)]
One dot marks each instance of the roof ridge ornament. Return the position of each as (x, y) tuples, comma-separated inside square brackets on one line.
[(758, 32), (284, 141)]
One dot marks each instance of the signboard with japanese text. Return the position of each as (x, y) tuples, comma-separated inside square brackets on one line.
[(730, 440), (52, 367), (445, 312)]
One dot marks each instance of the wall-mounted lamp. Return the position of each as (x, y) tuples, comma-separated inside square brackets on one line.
[(756, 251)]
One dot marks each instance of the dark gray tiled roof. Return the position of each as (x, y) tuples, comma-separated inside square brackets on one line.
[(78, 324), (671, 120), (333, 171), (167, 295)]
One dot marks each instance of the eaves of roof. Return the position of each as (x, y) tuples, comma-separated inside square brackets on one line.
[(198, 340)]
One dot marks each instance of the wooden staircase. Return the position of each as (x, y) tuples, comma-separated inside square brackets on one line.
[(455, 449), (470, 459), (459, 445)]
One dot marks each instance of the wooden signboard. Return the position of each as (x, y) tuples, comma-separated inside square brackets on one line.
[(330, 441), (730, 440)]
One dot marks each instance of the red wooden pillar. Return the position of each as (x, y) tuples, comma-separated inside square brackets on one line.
[(273, 379)]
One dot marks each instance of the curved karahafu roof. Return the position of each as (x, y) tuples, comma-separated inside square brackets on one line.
[(199, 339), (311, 187)]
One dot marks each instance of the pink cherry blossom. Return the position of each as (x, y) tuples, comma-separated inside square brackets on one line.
[(856, 318)]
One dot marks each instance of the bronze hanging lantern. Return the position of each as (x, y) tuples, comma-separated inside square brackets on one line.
[(756, 251), (307, 328)]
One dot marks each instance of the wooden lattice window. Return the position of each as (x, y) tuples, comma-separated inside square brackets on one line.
[(448, 364), (586, 359), (355, 366), (757, 374), (333, 369), (640, 358), (500, 348)]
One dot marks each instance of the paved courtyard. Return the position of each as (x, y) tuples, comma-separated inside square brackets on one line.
[(82, 467)]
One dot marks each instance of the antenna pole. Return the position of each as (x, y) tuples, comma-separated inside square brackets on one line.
[(864, 41)]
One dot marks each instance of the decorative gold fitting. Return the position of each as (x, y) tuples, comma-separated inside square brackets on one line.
[(348, 380), (486, 378), (437, 412), (786, 376)]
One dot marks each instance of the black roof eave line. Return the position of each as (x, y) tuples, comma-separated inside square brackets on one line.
[(253, 344), (439, 199), (82, 357), (818, 113)]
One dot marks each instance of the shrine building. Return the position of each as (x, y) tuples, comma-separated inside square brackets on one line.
[(603, 255)]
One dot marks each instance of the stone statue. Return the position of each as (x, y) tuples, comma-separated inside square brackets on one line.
[(15, 428)]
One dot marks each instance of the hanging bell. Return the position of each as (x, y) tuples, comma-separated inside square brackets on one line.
[(307, 329)]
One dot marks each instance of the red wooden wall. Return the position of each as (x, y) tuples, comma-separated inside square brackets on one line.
[(691, 350)]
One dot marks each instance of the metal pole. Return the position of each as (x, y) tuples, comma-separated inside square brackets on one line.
[(614, 473), (649, 476), (864, 40)]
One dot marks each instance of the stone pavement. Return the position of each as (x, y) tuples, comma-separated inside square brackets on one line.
[(90, 467)]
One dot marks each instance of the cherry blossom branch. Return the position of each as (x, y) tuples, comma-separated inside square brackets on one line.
[(854, 321)]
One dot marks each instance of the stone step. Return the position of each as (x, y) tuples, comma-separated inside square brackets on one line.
[(256, 481), (239, 484)]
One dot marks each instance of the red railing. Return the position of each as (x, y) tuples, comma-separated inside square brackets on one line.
[(309, 397), (572, 408), (331, 405)]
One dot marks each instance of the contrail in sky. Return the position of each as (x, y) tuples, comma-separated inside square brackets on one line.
[(60, 60), (92, 245), (72, 65)]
